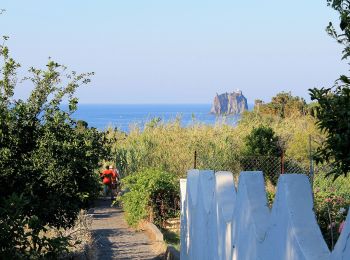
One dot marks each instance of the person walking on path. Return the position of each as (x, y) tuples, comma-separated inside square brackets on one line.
[(107, 176)]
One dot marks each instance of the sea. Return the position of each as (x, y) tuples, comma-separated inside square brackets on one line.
[(126, 117)]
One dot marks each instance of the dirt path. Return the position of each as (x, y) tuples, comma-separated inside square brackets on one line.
[(114, 239)]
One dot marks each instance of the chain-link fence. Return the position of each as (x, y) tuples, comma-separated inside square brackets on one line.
[(272, 167)]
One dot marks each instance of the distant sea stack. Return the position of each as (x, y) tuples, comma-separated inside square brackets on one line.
[(229, 103)]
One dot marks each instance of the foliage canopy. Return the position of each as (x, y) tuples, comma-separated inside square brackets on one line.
[(262, 141), (153, 193), (282, 105), (332, 111), (46, 163)]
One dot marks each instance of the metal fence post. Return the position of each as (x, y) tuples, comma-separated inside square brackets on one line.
[(282, 162), (195, 160), (311, 165)]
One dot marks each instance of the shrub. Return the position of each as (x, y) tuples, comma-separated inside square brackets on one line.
[(262, 141), (23, 236), (45, 159), (331, 202), (153, 194)]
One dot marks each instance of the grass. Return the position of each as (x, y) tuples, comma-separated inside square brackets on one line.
[(172, 238)]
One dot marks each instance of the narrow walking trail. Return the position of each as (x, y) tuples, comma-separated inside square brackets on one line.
[(113, 238)]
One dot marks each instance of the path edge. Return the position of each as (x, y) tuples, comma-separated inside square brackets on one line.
[(154, 234)]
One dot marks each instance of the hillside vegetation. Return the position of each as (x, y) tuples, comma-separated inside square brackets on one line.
[(170, 148)]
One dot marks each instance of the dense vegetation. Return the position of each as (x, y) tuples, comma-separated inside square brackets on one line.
[(47, 162), (153, 195), (331, 203), (262, 141), (283, 105), (333, 119), (170, 147), (332, 112)]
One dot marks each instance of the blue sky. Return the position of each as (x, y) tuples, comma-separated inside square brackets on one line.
[(182, 51)]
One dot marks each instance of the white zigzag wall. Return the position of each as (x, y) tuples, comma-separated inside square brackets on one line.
[(218, 222)]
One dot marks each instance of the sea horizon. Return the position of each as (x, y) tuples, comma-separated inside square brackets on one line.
[(125, 116)]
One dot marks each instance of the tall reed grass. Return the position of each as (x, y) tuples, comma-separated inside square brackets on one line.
[(171, 147)]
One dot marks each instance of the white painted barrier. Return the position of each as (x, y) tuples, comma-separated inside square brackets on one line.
[(218, 222)]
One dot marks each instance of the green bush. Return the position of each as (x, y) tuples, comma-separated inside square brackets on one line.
[(262, 141), (45, 158), (331, 202), (152, 194), (23, 236)]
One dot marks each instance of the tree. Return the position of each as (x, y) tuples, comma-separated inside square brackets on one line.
[(47, 163), (282, 105), (332, 111), (81, 124), (262, 141)]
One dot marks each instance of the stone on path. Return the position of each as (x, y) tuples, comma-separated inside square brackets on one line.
[(114, 239)]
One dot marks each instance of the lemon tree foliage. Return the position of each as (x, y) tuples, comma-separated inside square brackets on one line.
[(47, 163), (332, 112)]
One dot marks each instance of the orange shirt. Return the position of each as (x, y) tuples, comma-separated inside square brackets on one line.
[(107, 176)]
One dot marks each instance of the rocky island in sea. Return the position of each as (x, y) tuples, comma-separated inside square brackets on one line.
[(229, 103)]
